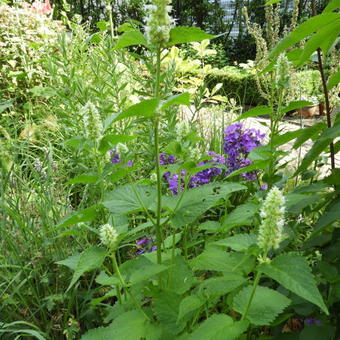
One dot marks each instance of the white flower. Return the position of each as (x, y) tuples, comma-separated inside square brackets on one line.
[(158, 22), (92, 121), (272, 213), (282, 71), (108, 236), (182, 129), (122, 148)]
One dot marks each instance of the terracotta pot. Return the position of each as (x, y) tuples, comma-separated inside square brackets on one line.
[(310, 111)]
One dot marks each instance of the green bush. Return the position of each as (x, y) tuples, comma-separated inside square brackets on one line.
[(26, 39)]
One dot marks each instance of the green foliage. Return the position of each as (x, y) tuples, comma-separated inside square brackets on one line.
[(266, 305), (292, 272)]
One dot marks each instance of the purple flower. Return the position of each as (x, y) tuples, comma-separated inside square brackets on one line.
[(114, 156), (145, 245), (165, 159), (312, 321), (238, 142), (264, 186)]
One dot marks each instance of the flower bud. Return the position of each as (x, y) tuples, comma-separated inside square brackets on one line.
[(272, 213), (108, 236), (92, 121), (282, 71)]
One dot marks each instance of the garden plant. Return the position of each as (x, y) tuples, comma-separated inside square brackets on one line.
[(138, 202)]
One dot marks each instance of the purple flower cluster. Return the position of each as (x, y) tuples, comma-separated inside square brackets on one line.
[(176, 182), (238, 142), (145, 245), (115, 158)]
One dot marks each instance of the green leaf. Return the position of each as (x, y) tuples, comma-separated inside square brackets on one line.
[(178, 99), (266, 305), (218, 286), (318, 147), (256, 111), (198, 200), (335, 4), (129, 198), (333, 80), (145, 109), (239, 242), (333, 178), (185, 34), (317, 40), (303, 31), (257, 165), (5, 105), (84, 178), (146, 272), (106, 280), (86, 215), (90, 259), (241, 215), (219, 260), (292, 271), (219, 327), (272, 2), (295, 203), (130, 38), (110, 141), (169, 241), (130, 325), (166, 307), (309, 133), (188, 305), (286, 137), (313, 332), (331, 133), (330, 215), (295, 105)]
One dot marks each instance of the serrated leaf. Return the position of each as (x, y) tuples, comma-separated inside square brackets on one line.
[(222, 285), (130, 325), (239, 242), (166, 307), (124, 200), (292, 271), (90, 259), (266, 305), (188, 305), (256, 111), (198, 200), (241, 215), (130, 38), (86, 215), (185, 34), (219, 327), (218, 259), (144, 273)]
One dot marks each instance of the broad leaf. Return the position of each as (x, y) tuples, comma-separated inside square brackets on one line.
[(257, 165), (184, 34), (292, 271), (89, 259), (130, 38), (333, 5), (188, 305), (179, 99), (86, 215), (256, 111), (266, 305), (219, 327), (295, 203), (238, 242), (146, 272), (286, 137), (145, 109), (309, 133), (241, 215), (129, 198), (131, 325), (198, 200), (295, 105)]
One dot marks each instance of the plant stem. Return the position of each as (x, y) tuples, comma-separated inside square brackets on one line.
[(256, 282), (326, 95), (158, 171)]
